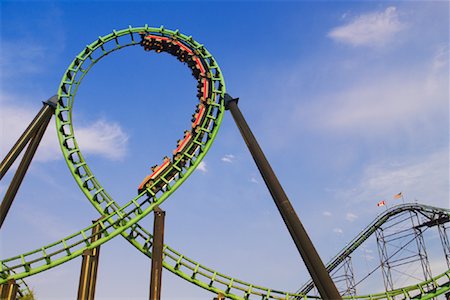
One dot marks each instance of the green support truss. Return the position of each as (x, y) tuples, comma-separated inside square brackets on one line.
[(124, 220)]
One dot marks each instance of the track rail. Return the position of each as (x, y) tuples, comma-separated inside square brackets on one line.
[(179, 170), (429, 212), (196, 273), (124, 220)]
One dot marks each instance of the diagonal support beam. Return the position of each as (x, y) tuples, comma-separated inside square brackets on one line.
[(314, 264), (34, 132), (42, 115)]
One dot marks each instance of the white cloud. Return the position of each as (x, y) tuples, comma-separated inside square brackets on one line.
[(44, 222), (202, 167), (253, 179), (22, 57), (424, 178), (229, 158), (367, 253), (101, 138), (327, 214), (13, 121), (405, 101), (368, 250), (28, 54), (440, 59), (351, 217), (368, 256), (373, 29), (338, 230)]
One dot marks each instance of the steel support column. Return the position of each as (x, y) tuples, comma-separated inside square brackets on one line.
[(89, 267), (421, 249), (157, 254), (444, 241), (423, 255), (313, 263), (35, 132), (349, 277), (46, 110), (345, 282), (220, 296), (8, 291), (384, 260)]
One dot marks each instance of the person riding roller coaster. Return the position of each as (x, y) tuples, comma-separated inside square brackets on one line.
[(186, 148)]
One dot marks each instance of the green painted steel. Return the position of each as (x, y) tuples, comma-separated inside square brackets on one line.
[(370, 229), (23, 290), (69, 85), (189, 269), (124, 220)]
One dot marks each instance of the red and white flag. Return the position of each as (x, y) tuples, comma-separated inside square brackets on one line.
[(381, 203)]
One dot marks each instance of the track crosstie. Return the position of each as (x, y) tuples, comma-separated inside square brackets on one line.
[(124, 220)]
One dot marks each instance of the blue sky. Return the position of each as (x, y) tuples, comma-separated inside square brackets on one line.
[(349, 100)]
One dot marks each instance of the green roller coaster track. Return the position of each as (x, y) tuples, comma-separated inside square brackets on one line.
[(428, 212), (124, 220)]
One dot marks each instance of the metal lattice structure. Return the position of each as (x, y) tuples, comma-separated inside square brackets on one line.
[(390, 244), (405, 225), (344, 277), (443, 236), (124, 220)]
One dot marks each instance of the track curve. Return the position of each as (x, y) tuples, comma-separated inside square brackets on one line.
[(185, 267), (185, 162), (124, 219), (427, 211)]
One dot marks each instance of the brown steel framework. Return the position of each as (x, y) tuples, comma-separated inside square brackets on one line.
[(89, 267), (32, 135), (157, 254), (9, 290), (314, 264)]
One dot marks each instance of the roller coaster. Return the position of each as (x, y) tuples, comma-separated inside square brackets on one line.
[(405, 223)]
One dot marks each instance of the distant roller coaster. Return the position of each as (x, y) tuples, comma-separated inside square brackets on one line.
[(175, 169)]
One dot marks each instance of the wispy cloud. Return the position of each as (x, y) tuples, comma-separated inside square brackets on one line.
[(27, 53), (338, 230), (327, 214), (228, 158), (253, 179), (367, 253), (202, 167), (103, 138), (351, 217), (399, 101), (424, 178), (44, 222), (440, 59), (374, 29), (18, 59)]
